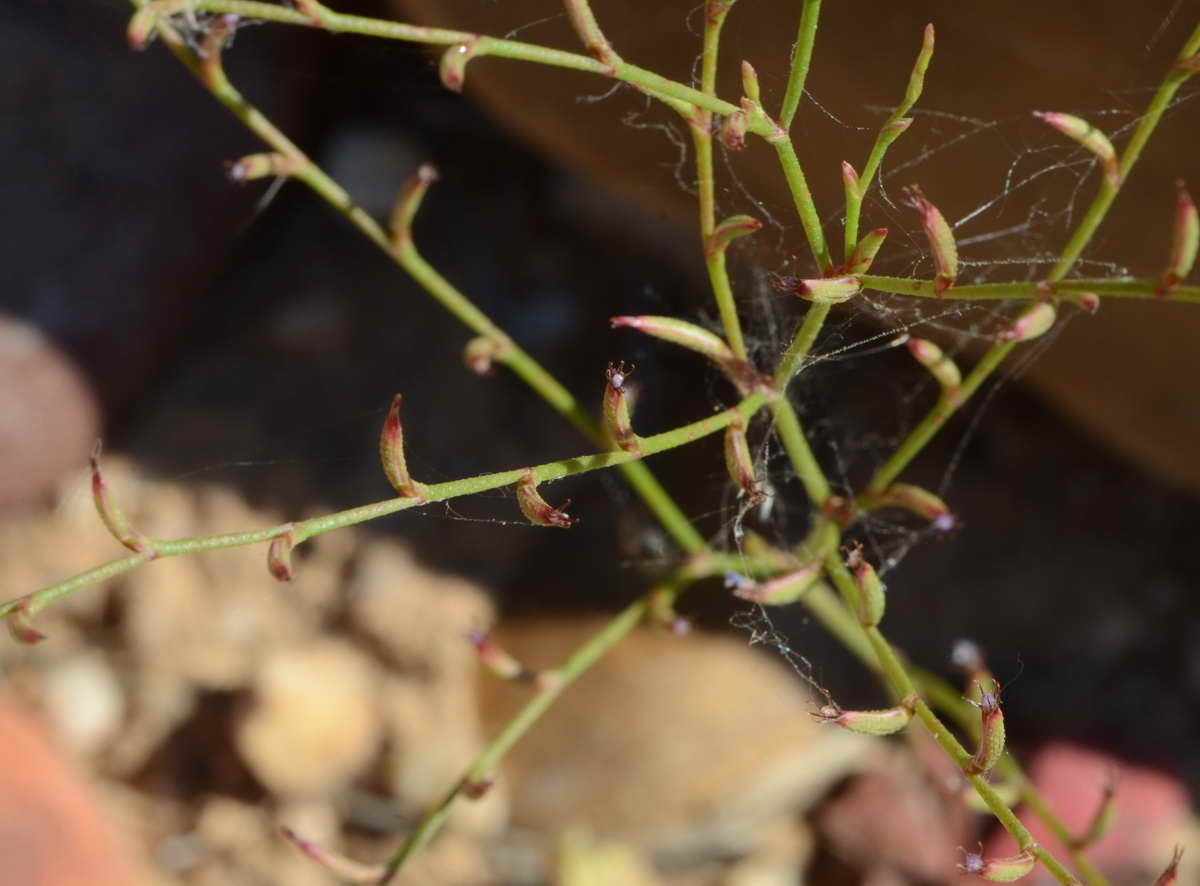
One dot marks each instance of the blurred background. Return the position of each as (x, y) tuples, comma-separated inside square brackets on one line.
[(236, 348)]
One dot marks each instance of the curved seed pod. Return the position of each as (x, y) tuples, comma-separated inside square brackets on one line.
[(408, 203), (1184, 244), (618, 423), (740, 463), (1035, 320), (828, 290), (142, 27), (1102, 819), (885, 721), (254, 166), (452, 69), (733, 130), (892, 131), (1089, 301), (21, 627), (916, 80), (944, 370), (866, 250), (778, 591), (344, 869), (536, 509), (111, 514), (871, 600), (1167, 877), (695, 338), (729, 229), (750, 82), (480, 353), (1090, 137), (918, 501), (279, 555), (391, 454), (850, 182), (999, 870), (991, 740), (498, 661), (941, 240)]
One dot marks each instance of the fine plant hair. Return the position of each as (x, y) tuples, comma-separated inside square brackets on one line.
[(834, 582)]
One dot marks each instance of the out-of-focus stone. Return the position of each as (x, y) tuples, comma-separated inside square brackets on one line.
[(84, 701), (313, 724), (688, 747)]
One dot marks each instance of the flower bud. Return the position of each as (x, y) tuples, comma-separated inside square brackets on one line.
[(749, 82), (733, 130), (916, 80), (265, 165), (536, 509), (941, 367), (453, 67), (1089, 301), (1184, 242), (864, 252), (1167, 877), (991, 739), (871, 601), (740, 463), (778, 591), (941, 240), (391, 454), (1035, 320), (408, 203), (728, 230), (885, 721), (999, 870), (481, 352), (850, 183), (892, 131), (618, 423), (827, 290), (111, 515), (1090, 137), (279, 555), (20, 624), (918, 501)]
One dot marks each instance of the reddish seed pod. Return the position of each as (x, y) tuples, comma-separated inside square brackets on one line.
[(279, 555), (21, 627), (111, 514), (885, 721), (1168, 877), (941, 240), (536, 509), (497, 660), (991, 739), (453, 66), (618, 422), (391, 454), (998, 870)]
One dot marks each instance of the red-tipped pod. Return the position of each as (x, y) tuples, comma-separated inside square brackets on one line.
[(20, 625), (1168, 877), (1035, 320), (729, 230), (347, 870), (991, 740), (740, 463), (408, 203), (618, 423), (941, 367), (871, 600), (921, 502), (279, 555), (536, 509), (110, 513), (141, 29), (733, 130), (265, 165), (453, 66), (499, 662), (694, 338), (749, 82), (885, 721), (1090, 137), (850, 183), (778, 591), (892, 131), (998, 870), (828, 290), (941, 240), (1183, 244), (916, 80), (865, 251), (391, 454)]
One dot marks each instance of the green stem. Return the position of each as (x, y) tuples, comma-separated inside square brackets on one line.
[(791, 434), (433, 492), (1108, 288), (701, 126), (810, 220), (801, 59), (485, 764), (801, 345)]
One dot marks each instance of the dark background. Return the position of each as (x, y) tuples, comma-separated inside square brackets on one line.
[(260, 346)]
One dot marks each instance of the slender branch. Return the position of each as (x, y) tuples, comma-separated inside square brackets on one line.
[(810, 219), (1107, 288), (801, 58)]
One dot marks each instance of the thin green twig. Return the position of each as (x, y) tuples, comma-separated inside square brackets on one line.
[(801, 59), (1031, 290)]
